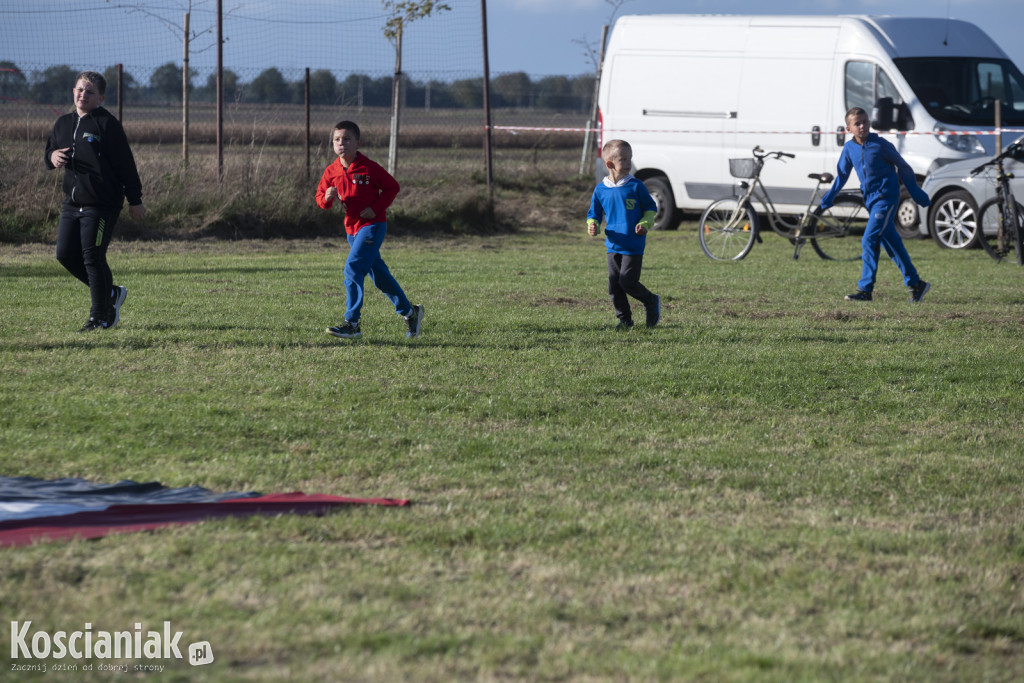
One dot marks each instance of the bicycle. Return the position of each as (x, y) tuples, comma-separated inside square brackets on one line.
[(1002, 214), (729, 227)]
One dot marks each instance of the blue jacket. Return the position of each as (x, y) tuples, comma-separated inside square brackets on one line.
[(622, 206), (880, 169)]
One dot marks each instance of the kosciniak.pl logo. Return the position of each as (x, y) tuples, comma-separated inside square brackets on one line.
[(89, 644)]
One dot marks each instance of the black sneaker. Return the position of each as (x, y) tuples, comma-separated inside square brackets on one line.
[(94, 324), (654, 312), (117, 298), (624, 326), (860, 295), (918, 291), (346, 331), (414, 321)]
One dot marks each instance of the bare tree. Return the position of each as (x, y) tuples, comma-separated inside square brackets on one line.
[(186, 34), (399, 15), (595, 54)]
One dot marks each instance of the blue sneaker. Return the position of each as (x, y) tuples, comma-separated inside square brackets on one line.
[(654, 312), (918, 291), (346, 331)]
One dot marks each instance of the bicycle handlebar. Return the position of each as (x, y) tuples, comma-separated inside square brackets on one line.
[(761, 154), (1012, 148)]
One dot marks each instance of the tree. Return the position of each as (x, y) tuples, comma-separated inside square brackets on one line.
[(110, 74), (405, 12), (399, 14), (54, 85), (512, 90), (323, 87), (359, 90), (554, 92), (269, 86), (468, 93), (582, 91), (166, 81), (229, 81), (441, 95), (13, 84)]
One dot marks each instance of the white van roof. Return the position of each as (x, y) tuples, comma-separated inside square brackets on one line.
[(899, 36), (930, 37)]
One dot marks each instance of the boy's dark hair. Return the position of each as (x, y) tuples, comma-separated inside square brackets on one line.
[(855, 111), (94, 78), (348, 125)]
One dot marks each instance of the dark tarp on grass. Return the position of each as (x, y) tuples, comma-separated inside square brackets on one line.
[(35, 509)]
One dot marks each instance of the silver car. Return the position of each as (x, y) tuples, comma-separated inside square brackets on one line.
[(956, 195)]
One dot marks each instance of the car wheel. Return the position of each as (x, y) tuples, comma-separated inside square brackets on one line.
[(953, 221), (666, 217), (908, 217)]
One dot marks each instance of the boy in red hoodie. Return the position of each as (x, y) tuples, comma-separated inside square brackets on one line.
[(366, 190)]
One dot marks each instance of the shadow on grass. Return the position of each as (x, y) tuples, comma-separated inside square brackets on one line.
[(109, 341), (47, 270)]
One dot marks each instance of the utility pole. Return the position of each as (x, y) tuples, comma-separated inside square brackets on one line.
[(220, 90), (184, 96), (487, 109)]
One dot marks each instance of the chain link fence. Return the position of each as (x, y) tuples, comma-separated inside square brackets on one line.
[(275, 56)]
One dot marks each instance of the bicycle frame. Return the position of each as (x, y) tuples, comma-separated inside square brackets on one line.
[(792, 230), (789, 229), (730, 227), (1007, 208), (1008, 221)]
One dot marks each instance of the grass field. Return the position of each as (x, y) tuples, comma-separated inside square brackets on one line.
[(773, 485)]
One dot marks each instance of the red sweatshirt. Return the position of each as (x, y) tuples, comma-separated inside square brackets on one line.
[(363, 184)]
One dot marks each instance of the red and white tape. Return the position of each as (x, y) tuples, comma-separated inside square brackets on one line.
[(514, 129)]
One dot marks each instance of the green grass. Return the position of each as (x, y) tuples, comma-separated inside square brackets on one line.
[(774, 485)]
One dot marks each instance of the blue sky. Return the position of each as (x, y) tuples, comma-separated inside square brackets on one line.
[(537, 36)]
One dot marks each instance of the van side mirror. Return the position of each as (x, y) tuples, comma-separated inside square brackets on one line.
[(904, 119), (882, 114)]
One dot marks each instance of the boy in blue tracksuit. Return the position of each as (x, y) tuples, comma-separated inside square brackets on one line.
[(628, 210), (880, 169)]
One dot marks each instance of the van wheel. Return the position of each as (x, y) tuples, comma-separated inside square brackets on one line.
[(666, 217), (908, 217)]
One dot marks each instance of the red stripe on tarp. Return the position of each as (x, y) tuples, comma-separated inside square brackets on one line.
[(126, 518)]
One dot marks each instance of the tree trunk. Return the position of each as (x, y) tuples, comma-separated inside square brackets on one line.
[(396, 106)]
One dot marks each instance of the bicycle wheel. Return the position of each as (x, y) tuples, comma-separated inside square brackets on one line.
[(990, 215), (727, 230), (836, 232), (1018, 234)]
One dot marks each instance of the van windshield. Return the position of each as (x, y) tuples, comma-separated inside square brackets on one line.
[(962, 91)]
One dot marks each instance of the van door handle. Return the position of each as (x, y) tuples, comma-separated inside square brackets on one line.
[(840, 136), (816, 136)]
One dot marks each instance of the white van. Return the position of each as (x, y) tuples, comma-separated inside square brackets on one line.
[(690, 92)]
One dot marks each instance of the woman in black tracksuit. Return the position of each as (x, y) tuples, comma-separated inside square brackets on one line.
[(99, 171)]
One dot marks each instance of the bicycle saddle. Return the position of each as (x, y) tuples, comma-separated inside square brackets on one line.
[(822, 177)]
